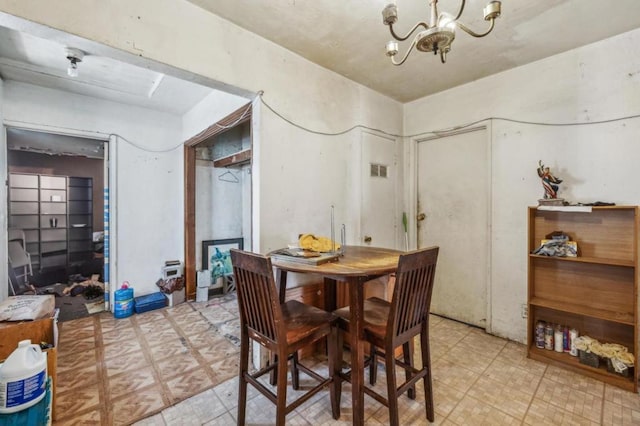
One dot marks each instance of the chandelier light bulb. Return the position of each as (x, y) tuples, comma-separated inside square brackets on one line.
[(74, 56), (72, 70), (392, 48), (438, 33)]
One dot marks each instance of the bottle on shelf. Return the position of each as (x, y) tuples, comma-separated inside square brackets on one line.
[(558, 339), (548, 337)]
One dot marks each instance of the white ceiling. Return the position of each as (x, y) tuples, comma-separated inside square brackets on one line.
[(43, 62), (349, 38)]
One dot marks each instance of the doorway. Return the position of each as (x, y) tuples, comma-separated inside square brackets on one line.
[(453, 213), (218, 193), (56, 210)]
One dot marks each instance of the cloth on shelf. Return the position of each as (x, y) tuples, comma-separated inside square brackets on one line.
[(558, 246)]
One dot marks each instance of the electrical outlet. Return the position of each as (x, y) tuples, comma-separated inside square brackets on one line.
[(524, 310)]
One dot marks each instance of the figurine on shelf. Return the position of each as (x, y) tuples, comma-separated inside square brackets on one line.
[(549, 182)]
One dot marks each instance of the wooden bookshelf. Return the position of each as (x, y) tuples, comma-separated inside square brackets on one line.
[(596, 292)]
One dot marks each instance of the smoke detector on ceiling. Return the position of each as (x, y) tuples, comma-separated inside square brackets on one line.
[(74, 56)]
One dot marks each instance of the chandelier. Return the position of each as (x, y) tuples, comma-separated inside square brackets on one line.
[(438, 34)]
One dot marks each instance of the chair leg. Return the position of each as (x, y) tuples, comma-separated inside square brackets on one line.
[(332, 340), (338, 365), (426, 363), (242, 383), (273, 376), (392, 390), (373, 366), (407, 354), (295, 375), (281, 392)]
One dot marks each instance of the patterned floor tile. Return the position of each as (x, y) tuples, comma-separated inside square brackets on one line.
[(77, 346), (219, 350), (571, 400), (188, 383), (121, 348), (151, 316), (90, 418), (170, 348), (226, 368), (177, 365), (125, 362), (453, 375), (622, 397), (71, 361), (77, 378), (472, 360), (478, 379), (575, 381), (78, 324), (507, 399), (160, 337), (471, 411), (119, 335), (223, 420), (147, 401), (544, 413), (79, 401), (510, 375), (479, 341), (208, 337), (131, 381), (614, 414), (445, 398)]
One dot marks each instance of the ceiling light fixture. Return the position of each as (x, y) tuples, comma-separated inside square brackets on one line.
[(438, 34), (74, 56)]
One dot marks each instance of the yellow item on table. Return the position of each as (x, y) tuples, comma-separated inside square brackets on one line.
[(318, 244)]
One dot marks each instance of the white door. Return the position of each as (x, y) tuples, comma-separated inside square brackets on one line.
[(453, 196), (378, 225)]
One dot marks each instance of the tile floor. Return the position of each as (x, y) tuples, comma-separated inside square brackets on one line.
[(479, 379)]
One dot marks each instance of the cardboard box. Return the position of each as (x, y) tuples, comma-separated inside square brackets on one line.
[(43, 330), (175, 298)]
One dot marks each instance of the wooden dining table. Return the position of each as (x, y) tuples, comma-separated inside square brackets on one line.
[(358, 265)]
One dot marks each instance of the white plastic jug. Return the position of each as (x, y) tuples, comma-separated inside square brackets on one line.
[(23, 378)]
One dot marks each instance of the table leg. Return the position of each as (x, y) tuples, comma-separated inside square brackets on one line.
[(356, 295), (281, 284), (330, 296)]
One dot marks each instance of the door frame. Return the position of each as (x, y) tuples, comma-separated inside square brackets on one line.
[(411, 150), (239, 116), (109, 164)]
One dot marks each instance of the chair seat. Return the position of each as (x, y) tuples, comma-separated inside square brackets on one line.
[(303, 320), (376, 315)]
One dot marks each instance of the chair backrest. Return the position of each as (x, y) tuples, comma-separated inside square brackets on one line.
[(411, 300), (260, 309), (17, 235)]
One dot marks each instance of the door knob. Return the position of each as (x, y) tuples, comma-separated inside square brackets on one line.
[(367, 239), (421, 217)]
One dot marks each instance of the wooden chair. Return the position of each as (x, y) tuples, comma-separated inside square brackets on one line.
[(281, 328), (389, 325)]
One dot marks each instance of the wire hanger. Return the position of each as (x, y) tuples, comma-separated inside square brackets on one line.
[(228, 177)]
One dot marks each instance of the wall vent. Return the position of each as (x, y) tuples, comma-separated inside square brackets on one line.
[(378, 170)]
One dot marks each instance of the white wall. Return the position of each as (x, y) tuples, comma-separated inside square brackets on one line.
[(149, 202), (597, 162), (299, 174)]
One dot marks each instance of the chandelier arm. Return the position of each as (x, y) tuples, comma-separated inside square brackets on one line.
[(460, 11), (406, 55), (415, 27), (474, 34)]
